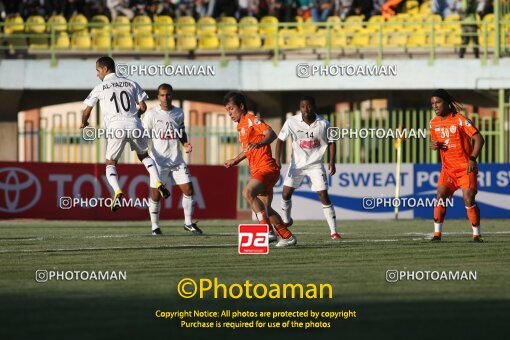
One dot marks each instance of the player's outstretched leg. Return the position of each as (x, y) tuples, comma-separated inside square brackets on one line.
[(329, 213), (150, 165), (440, 212), (287, 205), (473, 213), (111, 176)]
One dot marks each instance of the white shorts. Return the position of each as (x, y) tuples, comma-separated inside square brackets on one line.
[(175, 175), (115, 146), (317, 176)]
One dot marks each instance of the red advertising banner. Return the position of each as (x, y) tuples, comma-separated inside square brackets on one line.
[(81, 192)]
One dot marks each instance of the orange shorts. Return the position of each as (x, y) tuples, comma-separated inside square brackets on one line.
[(462, 180), (269, 178)]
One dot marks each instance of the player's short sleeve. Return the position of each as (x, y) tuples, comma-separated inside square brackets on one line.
[(467, 126), (284, 132), (92, 98), (140, 94)]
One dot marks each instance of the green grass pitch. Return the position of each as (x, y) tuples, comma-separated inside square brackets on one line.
[(355, 267)]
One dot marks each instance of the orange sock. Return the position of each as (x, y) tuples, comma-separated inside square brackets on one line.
[(282, 230), (473, 213), (262, 217), (439, 213)]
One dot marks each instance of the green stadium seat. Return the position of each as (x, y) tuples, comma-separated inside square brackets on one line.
[(186, 26), (142, 24), (206, 25), (77, 23), (81, 41)]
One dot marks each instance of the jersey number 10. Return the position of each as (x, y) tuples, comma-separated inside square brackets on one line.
[(124, 101)]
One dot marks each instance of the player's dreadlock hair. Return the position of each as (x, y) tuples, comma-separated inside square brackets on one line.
[(237, 98), (453, 103), (106, 62)]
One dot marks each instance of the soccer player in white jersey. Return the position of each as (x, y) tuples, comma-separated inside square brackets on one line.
[(308, 131), (118, 98), (166, 124)]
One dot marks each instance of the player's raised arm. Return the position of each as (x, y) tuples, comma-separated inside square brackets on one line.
[(85, 117)]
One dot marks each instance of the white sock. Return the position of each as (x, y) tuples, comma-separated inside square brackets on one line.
[(329, 213), (476, 231), (154, 213), (286, 208), (151, 168), (111, 176), (187, 205), (438, 227)]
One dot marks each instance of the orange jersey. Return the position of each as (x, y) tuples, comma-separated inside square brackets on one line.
[(251, 130), (454, 132)]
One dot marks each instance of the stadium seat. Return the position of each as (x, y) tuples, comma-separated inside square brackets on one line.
[(123, 42), (229, 41), (308, 26), (99, 23), (81, 41), (186, 26), (227, 25), (62, 41), (206, 25), (335, 22), (318, 39), (144, 42), (186, 42), (354, 23), (35, 24), (412, 6), (163, 24), (361, 38), (251, 42), (121, 24), (290, 38), (425, 8), (452, 17), (248, 25), (396, 38), (453, 39), (57, 22), (77, 23), (101, 41), (268, 25), (338, 39), (142, 24), (417, 38), (165, 42), (14, 24), (208, 41)]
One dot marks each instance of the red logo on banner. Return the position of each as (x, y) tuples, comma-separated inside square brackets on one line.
[(253, 239)]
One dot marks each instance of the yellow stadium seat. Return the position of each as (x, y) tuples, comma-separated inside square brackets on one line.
[(397, 38), (338, 39), (14, 24), (81, 41), (99, 23), (57, 22), (123, 42), (186, 42), (101, 41), (230, 41), (77, 23), (165, 42), (425, 8), (251, 42), (208, 41), (354, 23), (142, 24), (163, 24), (121, 24), (35, 24), (361, 38), (186, 26), (318, 39), (439, 38), (62, 41), (453, 39), (268, 25), (206, 25), (335, 23), (308, 26), (248, 25), (417, 38), (412, 6), (290, 38), (227, 25), (452, 17), (144, 42)]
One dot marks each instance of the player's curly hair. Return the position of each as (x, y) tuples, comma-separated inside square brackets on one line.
[(237, 98), (453, 103)]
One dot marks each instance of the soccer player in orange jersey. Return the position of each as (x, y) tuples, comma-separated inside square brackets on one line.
[(256, 137), (459, 143)]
